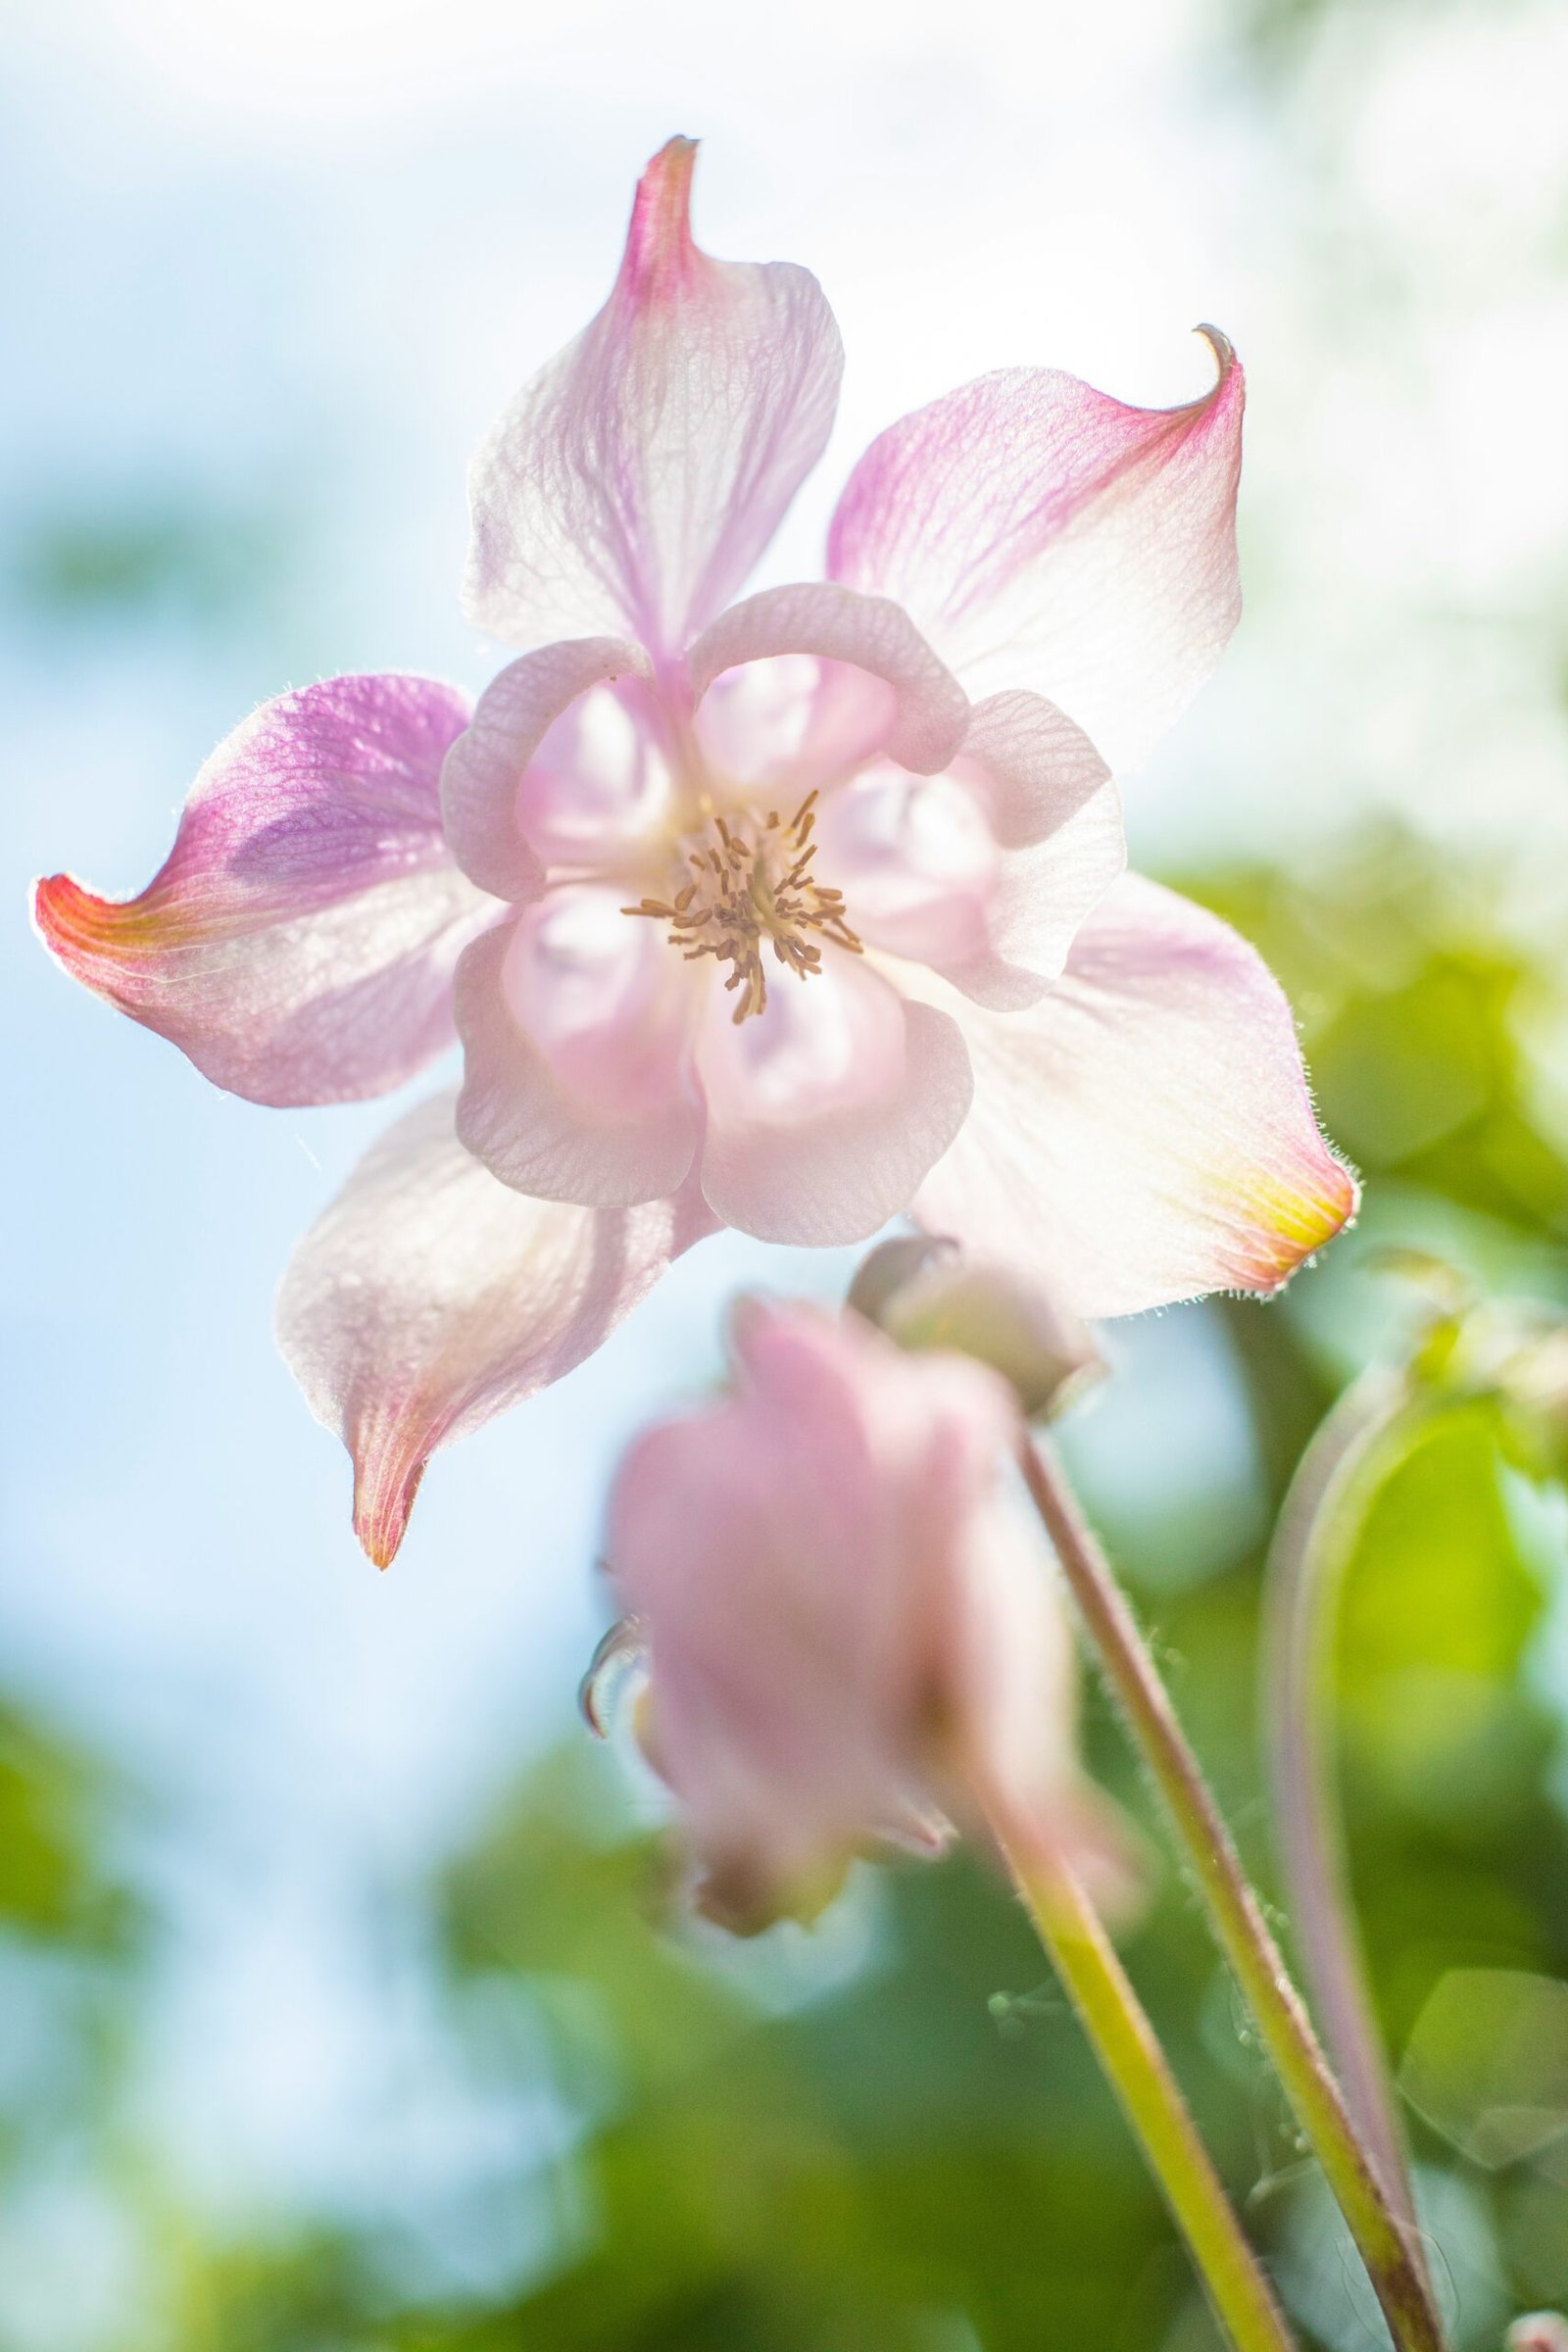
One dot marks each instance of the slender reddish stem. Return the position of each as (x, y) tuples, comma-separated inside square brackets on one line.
[(1236, 1918)]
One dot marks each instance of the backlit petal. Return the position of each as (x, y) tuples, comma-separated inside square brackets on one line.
[(428, 1297), (484, 802), (575, 1023), (1042, 898), (825, 1110), (1045, 788), (919, 716), (1033, 767), (1144, 1133), (1043, 535), (299, 942), (916, 860), (598, 791), (926, 876), (633, 484)]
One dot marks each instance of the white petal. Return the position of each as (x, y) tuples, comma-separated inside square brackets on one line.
[(1043, 535), (825, 1111), (430, 1298), (483, 782), (575, 1023), (1144, 1133), (636, 480)]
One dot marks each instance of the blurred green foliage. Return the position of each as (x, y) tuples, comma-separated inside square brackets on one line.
[(52, 1798), (1419, 1015), (885, 2130), (150, 560), (72, 1940)]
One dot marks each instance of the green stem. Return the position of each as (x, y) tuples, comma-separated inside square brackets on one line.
[(1235, 1915), (1136, 2066), (1314, 1541)]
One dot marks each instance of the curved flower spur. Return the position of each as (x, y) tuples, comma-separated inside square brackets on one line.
[(792, 913)]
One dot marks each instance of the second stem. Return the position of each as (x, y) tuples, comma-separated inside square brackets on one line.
[(1237, 1916)]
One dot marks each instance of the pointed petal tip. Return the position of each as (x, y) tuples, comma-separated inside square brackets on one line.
[(1292, 1222), (93, 937), (659, 242), (383, 1503), (1224, 350), (50, 897), (59, 907), (633, 483)]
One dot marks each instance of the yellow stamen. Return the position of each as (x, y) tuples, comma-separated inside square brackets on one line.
[(749, 892)]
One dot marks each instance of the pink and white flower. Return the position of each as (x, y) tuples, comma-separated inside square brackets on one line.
[(849, 1634), (792, 913)]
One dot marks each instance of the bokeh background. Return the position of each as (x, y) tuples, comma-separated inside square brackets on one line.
[(342, 2006)]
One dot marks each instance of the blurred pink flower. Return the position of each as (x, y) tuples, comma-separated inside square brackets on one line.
[(876, 807), (848, 1633)]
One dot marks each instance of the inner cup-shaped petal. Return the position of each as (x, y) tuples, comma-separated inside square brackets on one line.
[(599, 786), (751, 724), (820, 1045), (600, 997), (915, 860), (789, 724)]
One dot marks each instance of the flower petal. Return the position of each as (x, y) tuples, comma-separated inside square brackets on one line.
[(1044, 535), (483, 780), (299, 940), (1033, 767), (1042, 898), (598, 794), (924, 875), (825, 1110), (846, 1621), (925, 711), (428, 1297), (916, 860), (1046, 788), (575, 1023), (633, 484), (793, 1553), (1145, 1133)]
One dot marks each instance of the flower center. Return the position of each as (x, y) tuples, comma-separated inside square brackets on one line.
[(752, 884)]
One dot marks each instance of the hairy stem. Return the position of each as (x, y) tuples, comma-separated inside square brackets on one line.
[(1235, 1915), (1138, 2072), (1313, 1544)]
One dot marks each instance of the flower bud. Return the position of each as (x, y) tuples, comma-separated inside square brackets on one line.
[(845, 1633), (891, 1267), (1538, 2332), (925, 1295)]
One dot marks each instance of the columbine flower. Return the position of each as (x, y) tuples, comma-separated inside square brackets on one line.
[(787, 913), (847, 1633)]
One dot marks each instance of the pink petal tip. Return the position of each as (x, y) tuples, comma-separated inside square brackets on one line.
[(660, 249)]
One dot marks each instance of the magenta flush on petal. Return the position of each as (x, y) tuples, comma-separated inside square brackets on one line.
[(848, 1632), (300, 938), (788, 913)]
